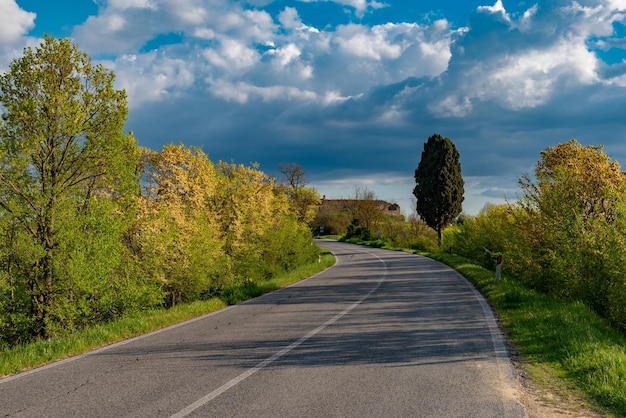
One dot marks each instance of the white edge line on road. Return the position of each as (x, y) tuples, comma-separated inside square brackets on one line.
[(503, 360), (217, 392)]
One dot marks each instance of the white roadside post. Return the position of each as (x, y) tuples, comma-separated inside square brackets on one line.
[(498, 268)]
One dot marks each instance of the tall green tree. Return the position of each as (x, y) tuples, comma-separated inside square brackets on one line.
[(439, 184), (66, 168)]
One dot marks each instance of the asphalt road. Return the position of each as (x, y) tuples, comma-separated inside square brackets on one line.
[(380, 334)]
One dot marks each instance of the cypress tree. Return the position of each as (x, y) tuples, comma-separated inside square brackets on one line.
[(439, 184)]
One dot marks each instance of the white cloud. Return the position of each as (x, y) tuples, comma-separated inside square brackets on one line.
[(364, 42), (451, 106), (242, 92), (497, 8), (194, 15), (232, 55), (287, 54), (204, 33), (132, 4), (526, 68), (237, 42), (332, 97), (393, 116), (360, 6), (289, 18), (151, 77), (527, 18), (529, 79), (122, 27), (14, 22)]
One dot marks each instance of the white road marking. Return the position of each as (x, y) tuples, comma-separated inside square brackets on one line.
[(217, 392)]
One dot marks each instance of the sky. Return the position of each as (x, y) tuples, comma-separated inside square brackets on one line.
[(350, 90)]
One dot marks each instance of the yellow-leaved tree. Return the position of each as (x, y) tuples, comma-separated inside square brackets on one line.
[(178, 238), (263, 232), (575, 225)]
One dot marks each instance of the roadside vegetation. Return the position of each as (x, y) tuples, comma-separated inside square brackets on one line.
[(95, 229), (562, 296), (101, 239), (41, 351), (563, 347)]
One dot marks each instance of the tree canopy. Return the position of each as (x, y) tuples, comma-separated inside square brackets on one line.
[(65, 163), (439, 184), (93, 227), (303, 199)]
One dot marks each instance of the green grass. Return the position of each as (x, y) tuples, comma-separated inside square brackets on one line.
[(27, 356), (564, 346), (254, 289)]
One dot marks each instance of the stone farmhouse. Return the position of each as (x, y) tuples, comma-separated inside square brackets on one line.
[(339, 205), (334, 215)]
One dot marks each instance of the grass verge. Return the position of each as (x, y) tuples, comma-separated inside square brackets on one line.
[(564, 346), (37, 353)]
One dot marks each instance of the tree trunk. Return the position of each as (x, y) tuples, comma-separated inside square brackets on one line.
[(46, 270), (439, 237)]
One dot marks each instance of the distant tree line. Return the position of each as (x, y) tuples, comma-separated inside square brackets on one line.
[(93, 227)]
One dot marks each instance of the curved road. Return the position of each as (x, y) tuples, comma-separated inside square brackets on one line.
[(380, 334)]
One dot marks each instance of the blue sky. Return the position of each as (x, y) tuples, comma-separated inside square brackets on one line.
[(351, 89)]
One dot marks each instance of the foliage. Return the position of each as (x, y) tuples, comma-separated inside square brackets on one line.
[(333, 220), (204, 228), (575, 219), (491, 233), (367, 212), (419, 235), (566, 235), (67, 174), (93, 228), (439, 184), (304, 200), (560, 340), (357, 231), (26, 356), (177, 237), (254, 216)]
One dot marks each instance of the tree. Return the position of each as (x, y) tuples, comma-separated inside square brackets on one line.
[(439, 184), (367, 210), (575, 175), (575, 214), (64, 158), (177, 235), (262, 234), (303, 199)]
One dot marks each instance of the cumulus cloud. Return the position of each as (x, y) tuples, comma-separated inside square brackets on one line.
[(243, 92), (14, 22), (524, 62), (368, 43), (503, 87), (151, 77), (124, 27), (359, 7), (232, 55)]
